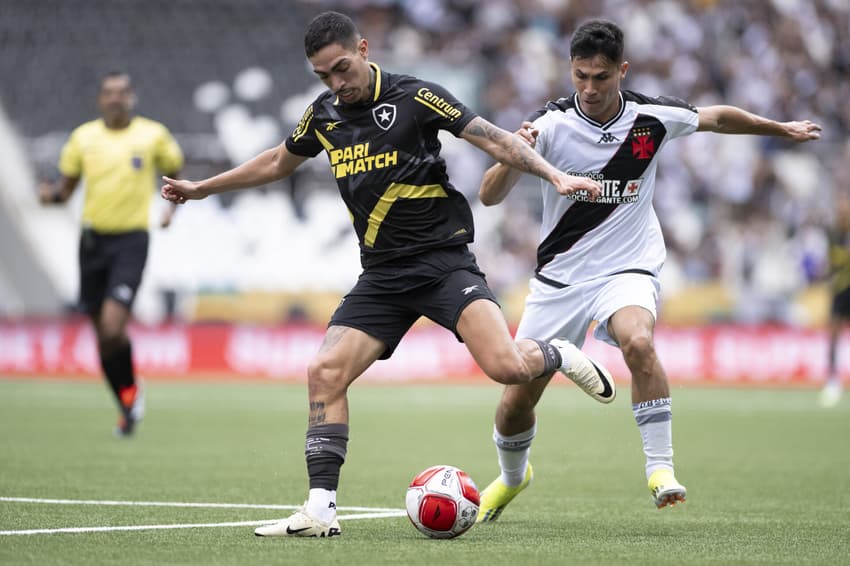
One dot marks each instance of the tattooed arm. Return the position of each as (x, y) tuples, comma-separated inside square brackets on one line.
[(512, 150), (500, 178)]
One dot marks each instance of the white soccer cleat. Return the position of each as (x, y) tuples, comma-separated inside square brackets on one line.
[(137, 411), (830, 395), (300, 524), (590, 376), (130, 416)]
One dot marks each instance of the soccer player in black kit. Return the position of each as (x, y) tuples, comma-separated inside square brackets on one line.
[(379, 131)]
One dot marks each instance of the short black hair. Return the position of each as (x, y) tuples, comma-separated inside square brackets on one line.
[(115, 74), (328, 28), (597, 37)]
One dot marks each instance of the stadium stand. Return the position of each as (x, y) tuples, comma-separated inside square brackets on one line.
[(743, 218)]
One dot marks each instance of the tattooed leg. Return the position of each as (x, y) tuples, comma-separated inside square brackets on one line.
[(345, 353)]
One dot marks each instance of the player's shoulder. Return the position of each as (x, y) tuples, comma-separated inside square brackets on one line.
[(149, 125), (414, 87), (552, 109), (320, 107), (86, 129), (630, 96)]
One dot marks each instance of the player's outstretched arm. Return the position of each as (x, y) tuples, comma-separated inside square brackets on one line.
[(725, 119), (500, 178), (510, 149), (271, 165)]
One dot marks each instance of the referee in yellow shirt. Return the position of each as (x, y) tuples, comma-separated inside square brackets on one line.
[(839, 314), (119, 155)]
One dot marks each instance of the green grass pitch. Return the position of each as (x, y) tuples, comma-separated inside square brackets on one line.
[(767, 471)]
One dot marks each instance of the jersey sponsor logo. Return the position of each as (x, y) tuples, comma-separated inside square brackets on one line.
[(608, 137), (614, 191), (643, 146), (437, 103), (355, 159), (384, 115), (303, 124)]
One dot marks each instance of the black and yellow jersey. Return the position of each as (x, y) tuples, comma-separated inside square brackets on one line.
[(839, 259), (119, 167), (385, 156)]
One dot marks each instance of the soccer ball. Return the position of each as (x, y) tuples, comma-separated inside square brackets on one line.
[(442, 502)]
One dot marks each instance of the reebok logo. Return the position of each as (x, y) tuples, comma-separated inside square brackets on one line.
[(469, 289)]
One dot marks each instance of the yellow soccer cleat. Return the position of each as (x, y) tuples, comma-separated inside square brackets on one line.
[(497, 495), (665, 489)]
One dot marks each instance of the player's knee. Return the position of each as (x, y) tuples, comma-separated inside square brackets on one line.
[(110, 340), (638, 347), (507, 370), (324, 376)]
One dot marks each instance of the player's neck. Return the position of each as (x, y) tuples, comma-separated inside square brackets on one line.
[(604, 117), (372, 83), (118, 123)]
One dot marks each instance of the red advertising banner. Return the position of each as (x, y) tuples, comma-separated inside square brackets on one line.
[(720, 354)]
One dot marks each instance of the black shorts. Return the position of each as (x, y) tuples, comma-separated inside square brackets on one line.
[(111, 266), (437, 284), (841, 304)]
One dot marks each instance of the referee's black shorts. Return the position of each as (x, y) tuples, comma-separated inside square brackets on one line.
[(390, 297), (111, 265), (841, 304)]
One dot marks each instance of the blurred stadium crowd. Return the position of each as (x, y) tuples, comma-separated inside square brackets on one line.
[(744, 217)]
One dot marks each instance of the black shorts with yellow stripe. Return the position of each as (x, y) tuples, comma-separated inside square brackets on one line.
[(388, 298)]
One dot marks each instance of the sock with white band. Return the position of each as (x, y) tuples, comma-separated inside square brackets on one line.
[(513, 454), (654, 419)]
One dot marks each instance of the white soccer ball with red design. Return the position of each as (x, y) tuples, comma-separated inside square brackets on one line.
[(442, 502)]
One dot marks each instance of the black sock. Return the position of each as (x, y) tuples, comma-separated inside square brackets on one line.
[(551, 357), (325, 451), (118, 369)]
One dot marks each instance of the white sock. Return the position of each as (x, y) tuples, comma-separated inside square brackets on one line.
[(654, 419), (513, 454), (322, 504)]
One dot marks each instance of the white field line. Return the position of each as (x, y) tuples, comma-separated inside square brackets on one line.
[(368, 513), (180, 504), (183, 525)]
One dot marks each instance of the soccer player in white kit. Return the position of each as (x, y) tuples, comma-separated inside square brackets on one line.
[(599, 261)]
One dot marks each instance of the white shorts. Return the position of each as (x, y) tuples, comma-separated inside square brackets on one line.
[(568, 313)]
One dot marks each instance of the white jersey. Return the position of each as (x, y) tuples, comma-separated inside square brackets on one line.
[(581, 240)]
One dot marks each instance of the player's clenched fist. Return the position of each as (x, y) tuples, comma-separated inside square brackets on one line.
[(179, 191), (570, 185)]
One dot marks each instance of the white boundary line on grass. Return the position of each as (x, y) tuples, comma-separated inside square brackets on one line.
[(369, 513), (179, 504)]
